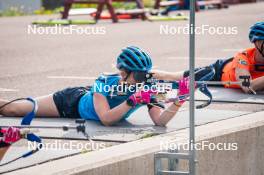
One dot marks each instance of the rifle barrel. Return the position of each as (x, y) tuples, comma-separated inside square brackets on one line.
[(220, 82), (41, 127)]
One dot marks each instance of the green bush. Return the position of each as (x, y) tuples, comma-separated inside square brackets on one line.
[(132, 5), (43, 11), (148, 3), (84, 6)]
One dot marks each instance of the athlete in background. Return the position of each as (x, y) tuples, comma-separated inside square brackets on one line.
[(250, 62)]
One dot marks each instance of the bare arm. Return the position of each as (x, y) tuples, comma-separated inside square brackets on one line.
[(258, 84), (162, 117), (109, 116), (167, 76)]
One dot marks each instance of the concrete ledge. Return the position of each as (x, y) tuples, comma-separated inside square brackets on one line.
[(247, 160), (137, 157)]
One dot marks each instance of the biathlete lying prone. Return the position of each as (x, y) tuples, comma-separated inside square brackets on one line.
[(248, 63), (96, 103)]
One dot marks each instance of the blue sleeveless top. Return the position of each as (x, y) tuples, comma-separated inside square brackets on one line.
[(105, 85)]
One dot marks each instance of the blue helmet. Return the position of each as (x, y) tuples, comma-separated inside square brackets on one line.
[(134, 59), (256, 32)]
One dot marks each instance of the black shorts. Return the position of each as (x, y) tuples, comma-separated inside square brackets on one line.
[(67, 101)]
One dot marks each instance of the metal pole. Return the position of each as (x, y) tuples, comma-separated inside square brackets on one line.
[(192, 102)]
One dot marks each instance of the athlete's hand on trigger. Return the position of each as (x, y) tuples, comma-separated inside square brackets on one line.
[(184, 89), (142, 97), (11, 135)]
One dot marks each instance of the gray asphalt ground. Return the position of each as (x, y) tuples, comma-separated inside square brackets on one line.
[(35, 65)]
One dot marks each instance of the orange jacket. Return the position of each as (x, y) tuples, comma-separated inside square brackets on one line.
[(244, 60)]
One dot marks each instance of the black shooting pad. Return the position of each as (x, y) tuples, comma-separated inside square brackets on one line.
[(135, 127)]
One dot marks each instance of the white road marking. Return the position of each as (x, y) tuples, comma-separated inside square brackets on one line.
[(71, 77), (232, 50), (187, 58), (8, 90)]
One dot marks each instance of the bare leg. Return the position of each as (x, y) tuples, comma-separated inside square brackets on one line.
[(46, 107)]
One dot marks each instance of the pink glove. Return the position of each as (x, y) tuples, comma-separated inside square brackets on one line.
[(184, 89), (141, 97), (11, 135)]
